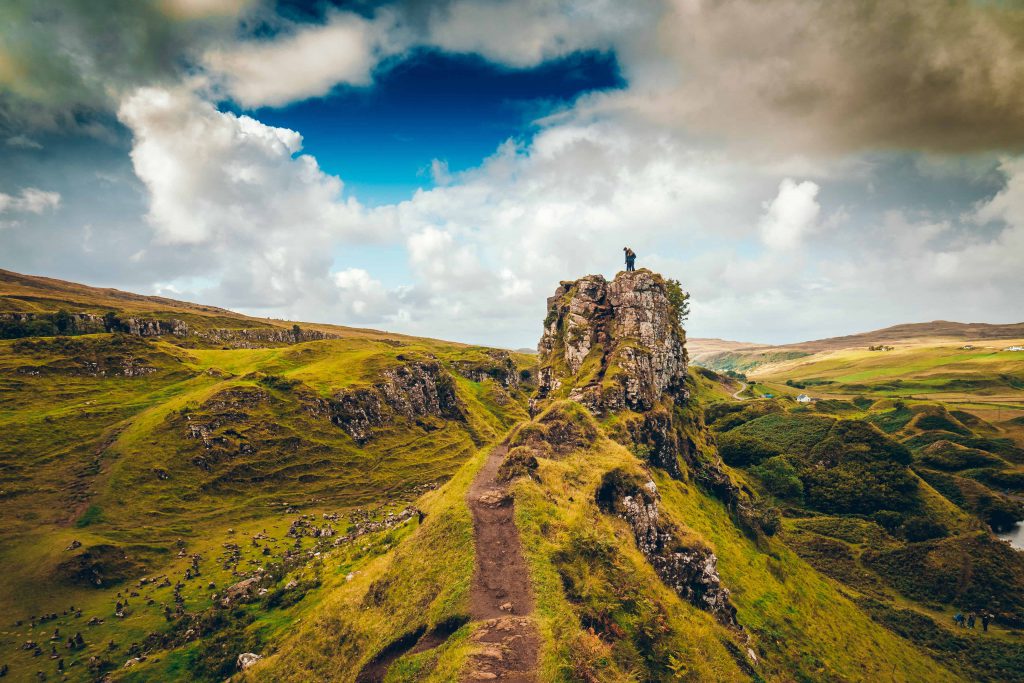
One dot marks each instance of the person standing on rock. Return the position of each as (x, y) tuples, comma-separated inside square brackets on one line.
[(630, 259)]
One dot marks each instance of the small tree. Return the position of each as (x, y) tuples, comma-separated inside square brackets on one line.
[(679, 299), (296, 332), (111, 323), (63, 321)]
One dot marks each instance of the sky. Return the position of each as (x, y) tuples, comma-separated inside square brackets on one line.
[(805, 168)]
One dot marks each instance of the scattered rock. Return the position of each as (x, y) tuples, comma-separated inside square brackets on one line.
[(247, 659)]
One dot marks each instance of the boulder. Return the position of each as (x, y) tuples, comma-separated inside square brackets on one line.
[(247, 659)]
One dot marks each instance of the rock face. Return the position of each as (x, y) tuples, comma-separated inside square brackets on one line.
[(617, 348), (613, 344), (241, 338), (415, 390), (499, 367), (689, 569)]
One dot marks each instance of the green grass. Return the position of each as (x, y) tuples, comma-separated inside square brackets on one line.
[(102, 459)]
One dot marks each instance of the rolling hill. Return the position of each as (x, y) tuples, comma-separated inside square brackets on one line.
[(187, 493), (720, 353)]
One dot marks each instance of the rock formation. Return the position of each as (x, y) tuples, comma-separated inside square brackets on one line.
[(618, 348), (690, 569), (414, 390), (239, 338), (613, 345)]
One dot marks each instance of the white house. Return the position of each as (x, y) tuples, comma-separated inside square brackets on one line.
[(803, 398), (1014, 348)]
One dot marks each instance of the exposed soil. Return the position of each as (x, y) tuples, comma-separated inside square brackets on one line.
[(411, 643), (500, 595)]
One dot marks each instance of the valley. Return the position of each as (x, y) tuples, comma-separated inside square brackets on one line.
[(216, 496)]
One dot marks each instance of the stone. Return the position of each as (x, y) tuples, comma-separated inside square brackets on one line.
[(247, 659)]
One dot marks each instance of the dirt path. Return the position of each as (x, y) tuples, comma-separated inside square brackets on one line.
[(742, 389), (500, 595)]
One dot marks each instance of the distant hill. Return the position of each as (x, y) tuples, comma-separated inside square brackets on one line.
[(33, 296), (721, 354)]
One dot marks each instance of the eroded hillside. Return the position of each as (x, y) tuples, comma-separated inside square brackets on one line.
[(367, 508)]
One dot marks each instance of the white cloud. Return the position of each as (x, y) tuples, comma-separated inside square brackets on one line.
[(306, 63), (528, 32), (361, 297), (23, 142), (791, 215), (236, 191), (30, 200)]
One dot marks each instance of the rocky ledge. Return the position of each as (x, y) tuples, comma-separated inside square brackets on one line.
[(690, 569), (414, 390)]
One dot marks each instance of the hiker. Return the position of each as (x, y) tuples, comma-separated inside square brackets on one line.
[(959, 619), (970, 619), (630, 259), (985, 618)]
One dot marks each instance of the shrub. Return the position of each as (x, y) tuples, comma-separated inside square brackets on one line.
[(679, 299), (917, 529), (859, 487), (780, 477), (739, 450), (888, 519)]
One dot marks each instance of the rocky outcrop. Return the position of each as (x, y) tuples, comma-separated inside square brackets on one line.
[(690, 569), (87, 323), (411, 391), (246, 660), (617, 348), (257, 337), (613, 345), (498, 367)]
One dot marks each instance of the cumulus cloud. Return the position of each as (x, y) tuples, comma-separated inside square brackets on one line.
[(306, 63), (526, 33), (238, 189), (791, 215), (362, 298), (30, 200)]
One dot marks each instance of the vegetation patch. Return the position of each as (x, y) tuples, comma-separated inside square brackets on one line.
[(973, 572), (986, 659)]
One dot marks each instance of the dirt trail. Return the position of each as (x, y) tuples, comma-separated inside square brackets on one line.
[(500, 595)]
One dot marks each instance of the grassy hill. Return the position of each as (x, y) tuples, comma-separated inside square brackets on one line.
[(123, 458), (177, 498)]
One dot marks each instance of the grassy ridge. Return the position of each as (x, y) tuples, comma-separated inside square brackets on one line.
[(95, 434)]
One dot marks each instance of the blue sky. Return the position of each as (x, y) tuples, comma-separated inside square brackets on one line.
[(430, 105), (806, 169)]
